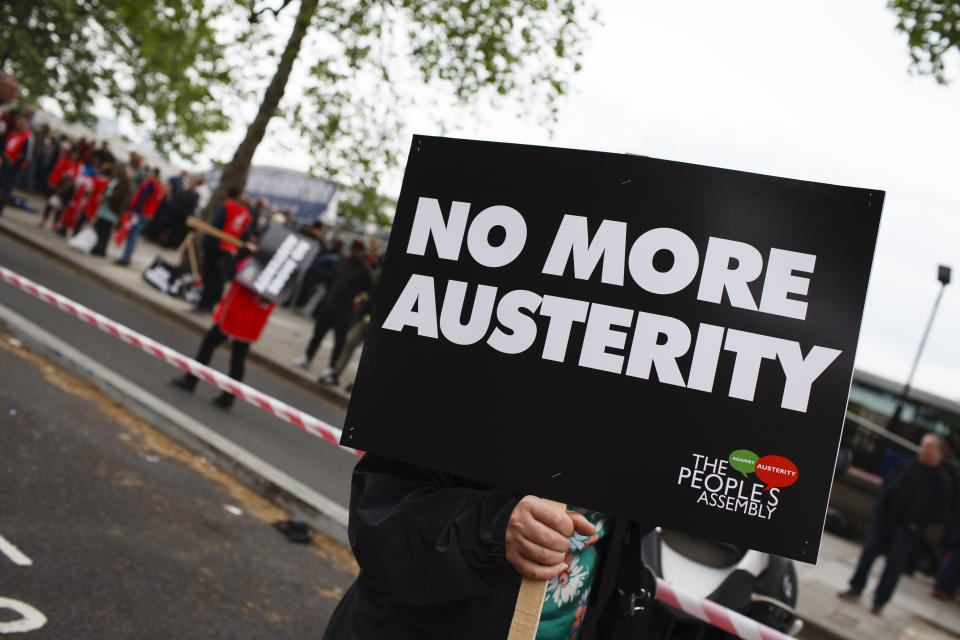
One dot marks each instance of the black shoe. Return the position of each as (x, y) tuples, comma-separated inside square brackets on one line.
[(849, 594), (121, 262), (181, 382), (224, 400)]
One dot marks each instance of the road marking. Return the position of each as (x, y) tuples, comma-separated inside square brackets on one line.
[(30, 619), (16, 556)]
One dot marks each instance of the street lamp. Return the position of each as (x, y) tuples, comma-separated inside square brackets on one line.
[(943, 275)]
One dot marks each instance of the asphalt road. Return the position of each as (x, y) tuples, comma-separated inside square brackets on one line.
[(110, 530), (317, 464)]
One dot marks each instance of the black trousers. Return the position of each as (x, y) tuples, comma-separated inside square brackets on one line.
[(330, 317), (7, 176), (898, 543), (217, 267), (103, 229), (213, 339)]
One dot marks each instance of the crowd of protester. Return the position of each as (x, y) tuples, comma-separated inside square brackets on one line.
[(86, 185), (89, 189)]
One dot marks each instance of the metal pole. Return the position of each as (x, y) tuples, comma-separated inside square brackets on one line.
[(895, 419)]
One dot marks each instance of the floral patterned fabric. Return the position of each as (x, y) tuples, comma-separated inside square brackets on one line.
[(566, 601)]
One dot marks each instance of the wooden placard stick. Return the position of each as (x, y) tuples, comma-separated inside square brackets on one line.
[(187, 247), (526, 615), (205, 227)]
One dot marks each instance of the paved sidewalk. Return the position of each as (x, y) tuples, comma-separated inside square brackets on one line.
[(911, 615), (283, 340)]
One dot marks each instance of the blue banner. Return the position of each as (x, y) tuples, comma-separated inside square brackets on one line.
[(304, 196)]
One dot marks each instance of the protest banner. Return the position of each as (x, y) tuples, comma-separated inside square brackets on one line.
[(661, 341), (276, 265)]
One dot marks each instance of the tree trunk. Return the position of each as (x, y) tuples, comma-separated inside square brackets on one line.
[(235, 173)]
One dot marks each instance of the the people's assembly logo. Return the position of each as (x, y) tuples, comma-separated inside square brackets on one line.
[(719, 485)]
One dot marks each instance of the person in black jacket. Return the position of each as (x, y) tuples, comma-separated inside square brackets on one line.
[(352, 277), (442, 557), (909, 499)]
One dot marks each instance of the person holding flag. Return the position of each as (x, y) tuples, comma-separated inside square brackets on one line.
[(142, 208)]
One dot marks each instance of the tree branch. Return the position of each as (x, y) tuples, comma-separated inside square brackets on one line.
[(255, 15)]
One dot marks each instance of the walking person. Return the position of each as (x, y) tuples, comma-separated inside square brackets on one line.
[(143, 207), (357, 334), (240, 317), (908, 501), (336, 311)]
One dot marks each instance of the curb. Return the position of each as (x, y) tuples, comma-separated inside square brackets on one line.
[(812, 630), (325, 515), (330, 394)]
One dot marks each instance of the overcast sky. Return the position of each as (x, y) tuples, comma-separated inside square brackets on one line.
[(818, 91)]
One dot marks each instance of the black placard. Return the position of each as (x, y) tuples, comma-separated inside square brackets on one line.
[(274, 268), (663, 341)]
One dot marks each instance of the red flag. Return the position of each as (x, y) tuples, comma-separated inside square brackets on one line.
[(123, 230)]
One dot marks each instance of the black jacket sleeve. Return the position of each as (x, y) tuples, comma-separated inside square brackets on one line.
[(428, 538)]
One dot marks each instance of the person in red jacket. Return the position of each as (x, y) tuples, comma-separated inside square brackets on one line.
[(219, 256), (143, 206), (67, 165), (83, 205), (16, 156), (241, 316), (61, 183)]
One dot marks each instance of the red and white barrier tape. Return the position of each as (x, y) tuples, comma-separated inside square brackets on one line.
[(700, 608), (269, 404), (714, 614)]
